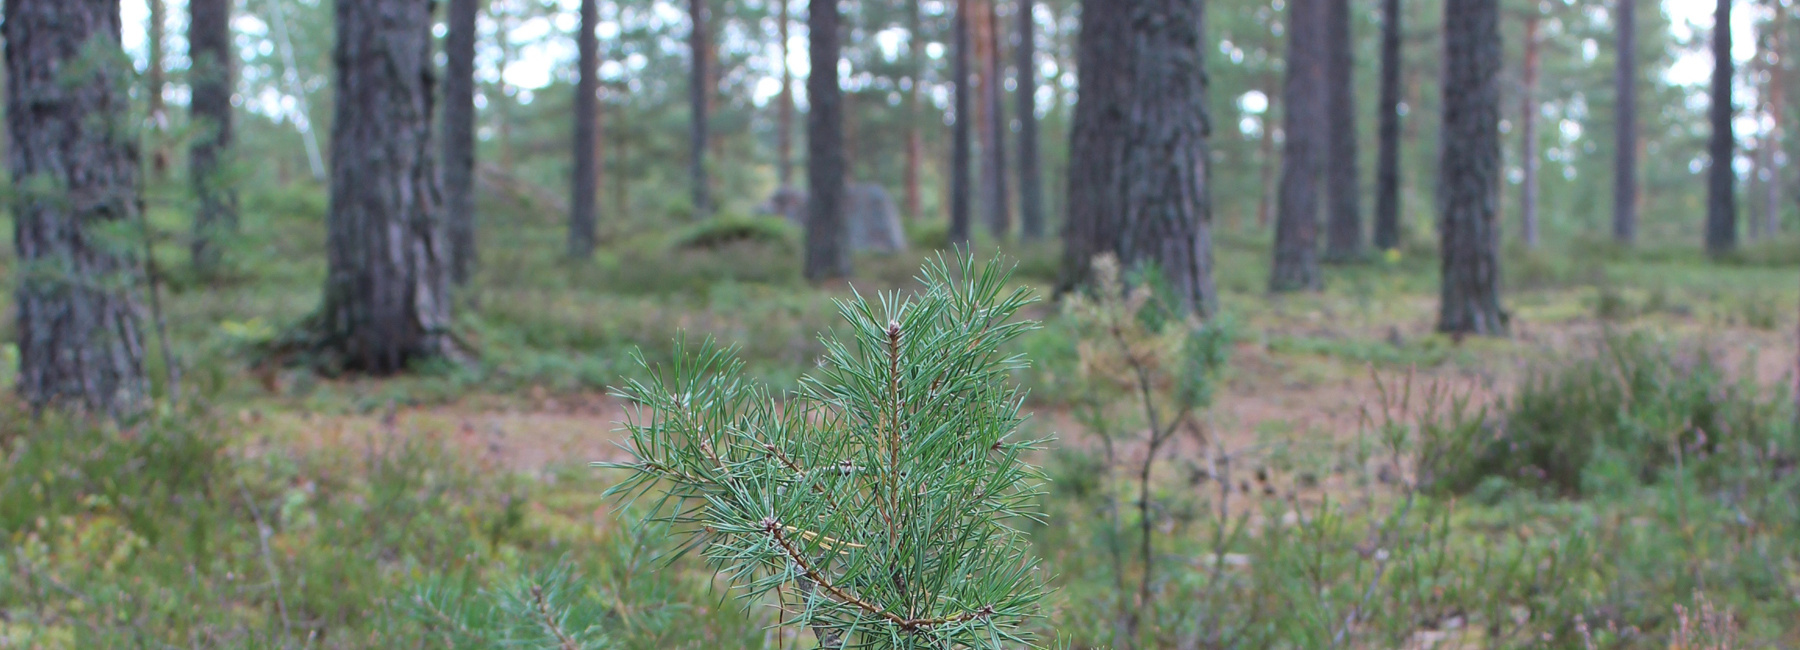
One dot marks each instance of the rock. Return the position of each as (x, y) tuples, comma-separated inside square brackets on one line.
[(874, 220)]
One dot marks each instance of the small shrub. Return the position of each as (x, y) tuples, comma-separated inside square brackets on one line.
[(724, 230)]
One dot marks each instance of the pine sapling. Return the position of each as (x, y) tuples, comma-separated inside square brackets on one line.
[(877, 502)]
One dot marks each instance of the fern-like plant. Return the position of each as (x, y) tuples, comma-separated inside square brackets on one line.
[(875, 502)]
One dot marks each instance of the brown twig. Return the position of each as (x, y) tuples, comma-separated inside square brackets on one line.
[(775, 529), (543, 608)]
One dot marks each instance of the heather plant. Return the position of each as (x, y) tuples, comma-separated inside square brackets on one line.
[(878, 504)]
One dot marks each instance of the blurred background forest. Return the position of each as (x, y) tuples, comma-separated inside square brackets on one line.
[(315, 348)]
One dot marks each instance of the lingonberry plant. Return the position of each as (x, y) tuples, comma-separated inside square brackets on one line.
[(876, 503)]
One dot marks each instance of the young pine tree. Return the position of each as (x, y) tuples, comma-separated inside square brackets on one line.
[(878, 501)]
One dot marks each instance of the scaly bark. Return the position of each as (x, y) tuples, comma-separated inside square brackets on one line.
[(1343, 231), (1387, 165), (1296, 259), (1470, 292), (73, 176), (1031, 177), (459, 137), (700, 103), (1166, 221), (959, 131), (827, 237), (1097, 137)]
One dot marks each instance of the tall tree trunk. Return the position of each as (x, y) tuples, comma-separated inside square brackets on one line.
[(459, 137), (993, 124), (503, 102), (211, 75), (1721, 199), (386, 287), (1528, 137), (915, 143), (1343, 233), (959, 131), (155, 80), (1166, 220), (582, 209), (784, 116), (1387, 165), (1625, 120), (1031, 175), (1296, 259), (827, 238), (1470, 301), (1097, 135), (72, 178), (699, 91), (1773, 105)]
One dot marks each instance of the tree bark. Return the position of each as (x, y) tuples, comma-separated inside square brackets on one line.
[(1343, 233), (1296, 259), (1387, 165), (959, 131), (459, 137), (155, 81), (1721, 200), (1528, 138), (1166, 220), (784, 117), (1625, 120), (1097, 135), (915, 143), (503, 101), (211, 80), (1031, 176), (699, 91), (73, 176), (582, 206), (1773, 105), (1470, 300), (993, 124), (1265, 151), (386, 290), (827, 238)]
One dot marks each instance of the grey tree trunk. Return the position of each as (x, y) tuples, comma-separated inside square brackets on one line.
[(784, 118), (699, 90), (1773, 107), (1343, 232), (211, 79), (915, 142), (993, 128), (73, 176), (459, 137), (827, 238), (155, 81), (1625, 120), (959, 131), (1166, 220), (1721, 195), (1528, 136), (1387, 165), (1296, 259), (1470, 236), (1097, 135), (584, 205), (1031, 176), (387, 296)]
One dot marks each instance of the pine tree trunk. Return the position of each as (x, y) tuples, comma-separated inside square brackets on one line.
[(1031, 176), (1470, 301), (459, 137), (699, 85), (915, 143), (155, 81), (1097, 135), (1343, 234), (386, 289), (583, 219), (1387, 165), (1265, 151), (1296, 259), (784, 117), (211, 75), (1625, 120), (993, 124), (959, 131), (1721, 199), (503, 102), (1528, 137), (1166, 221), (827, 238), (72, 177)]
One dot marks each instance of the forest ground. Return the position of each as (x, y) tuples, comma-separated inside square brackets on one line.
[(520, 424)]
